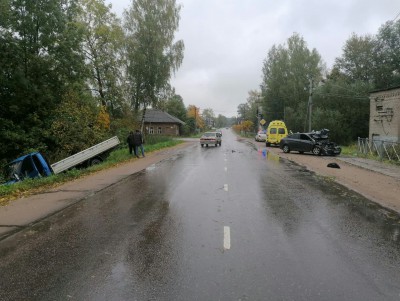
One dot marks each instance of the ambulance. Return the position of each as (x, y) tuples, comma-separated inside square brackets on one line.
[(275, 132)]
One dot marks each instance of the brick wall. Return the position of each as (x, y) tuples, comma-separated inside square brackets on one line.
[(384, 122)]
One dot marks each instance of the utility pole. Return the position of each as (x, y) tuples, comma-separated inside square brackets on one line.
[(195, 119), (259, 110), (310, 105)]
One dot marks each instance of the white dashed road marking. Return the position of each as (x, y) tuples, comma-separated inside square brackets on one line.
[(227, 238), (226, 187)]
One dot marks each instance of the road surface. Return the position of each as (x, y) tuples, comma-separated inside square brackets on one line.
[(216, 223)]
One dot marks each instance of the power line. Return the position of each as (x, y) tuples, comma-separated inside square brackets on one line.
[(396, 17)]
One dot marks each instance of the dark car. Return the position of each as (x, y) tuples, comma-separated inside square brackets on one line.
[(314, 142)]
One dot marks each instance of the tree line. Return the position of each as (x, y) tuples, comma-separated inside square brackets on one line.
[(72, 73), (340, 96)]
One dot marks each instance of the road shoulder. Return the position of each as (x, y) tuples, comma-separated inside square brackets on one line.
[(374, 180), (25, 211)]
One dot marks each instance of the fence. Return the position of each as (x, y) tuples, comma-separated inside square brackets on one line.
[(381, 148)]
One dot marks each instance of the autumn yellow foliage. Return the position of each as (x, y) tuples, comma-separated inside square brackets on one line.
[(103, 119), (194, 112), (245, 126)]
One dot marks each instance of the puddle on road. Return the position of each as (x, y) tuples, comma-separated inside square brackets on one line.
[(270, 156), (151, 167), (387, 219)]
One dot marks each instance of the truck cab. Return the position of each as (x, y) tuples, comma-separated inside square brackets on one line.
[(32, 165)]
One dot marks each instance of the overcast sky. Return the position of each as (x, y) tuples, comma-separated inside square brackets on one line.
[(226, 41)]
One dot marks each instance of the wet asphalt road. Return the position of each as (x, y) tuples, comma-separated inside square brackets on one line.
[(216, 223)]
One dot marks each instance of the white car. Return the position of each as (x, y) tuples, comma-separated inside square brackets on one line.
[(261, 136), (213, 138)]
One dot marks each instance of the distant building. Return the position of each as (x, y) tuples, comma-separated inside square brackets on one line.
[(157, 122), (384, 120)]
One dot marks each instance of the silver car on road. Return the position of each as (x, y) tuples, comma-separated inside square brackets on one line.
[(213, 138)]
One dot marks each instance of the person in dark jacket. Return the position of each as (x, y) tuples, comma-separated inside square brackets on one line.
[(131, 143), (138, 142)]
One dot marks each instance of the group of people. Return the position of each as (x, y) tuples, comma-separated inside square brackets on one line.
[(135, 141)]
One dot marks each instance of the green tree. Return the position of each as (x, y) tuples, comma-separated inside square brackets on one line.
[(342, 99), (103, 49), (164, 95), (151, 51), (387, 63), (287, 72), (357, 61), (176, 107), (40, 47), (347, 104), (221, 121), (243, 111), (252, 109), (209, 117)]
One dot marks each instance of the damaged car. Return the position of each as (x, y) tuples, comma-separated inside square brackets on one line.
[(316, 142)]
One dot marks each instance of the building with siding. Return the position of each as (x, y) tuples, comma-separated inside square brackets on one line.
[(384, 121), (157, 122)]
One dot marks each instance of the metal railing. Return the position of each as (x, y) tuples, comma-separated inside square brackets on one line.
[(380, 148)]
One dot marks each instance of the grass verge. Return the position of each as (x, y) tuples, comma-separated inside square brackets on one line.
[(352, 151), (32, 186)]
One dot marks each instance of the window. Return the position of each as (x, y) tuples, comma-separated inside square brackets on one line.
[(281, 131), (159, 130), (27, 167), (379, 108), (151, 130), (272, 131)]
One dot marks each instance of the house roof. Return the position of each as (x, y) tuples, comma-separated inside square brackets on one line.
[(387, 89), (158, 116)]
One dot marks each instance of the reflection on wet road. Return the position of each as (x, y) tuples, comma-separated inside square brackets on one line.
[(218, 223)]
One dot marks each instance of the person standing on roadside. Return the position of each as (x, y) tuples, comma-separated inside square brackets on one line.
[(131, 143), (138, 142)]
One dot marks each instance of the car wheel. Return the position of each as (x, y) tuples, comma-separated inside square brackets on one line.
[(206, 145), (216, 144), (220, 143), (316, 151), (301, 152), (267, 144), (202, 145), (95, 161), (286, 148)]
